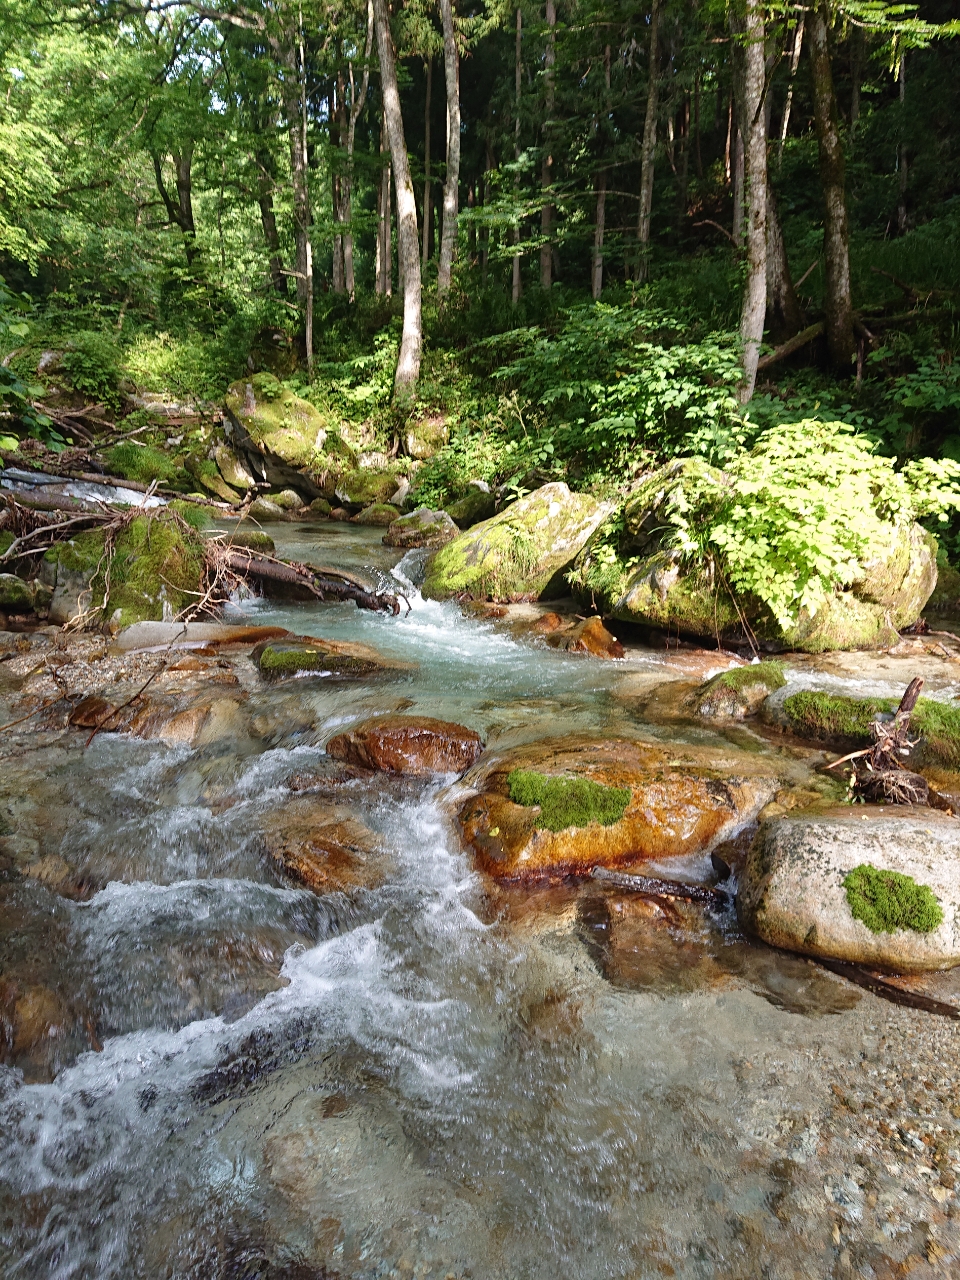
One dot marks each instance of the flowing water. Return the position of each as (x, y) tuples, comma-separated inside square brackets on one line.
[(431, 1077)]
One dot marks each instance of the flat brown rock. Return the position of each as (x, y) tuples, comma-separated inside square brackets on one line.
[(682, 802), (417, 745), (324, 848)]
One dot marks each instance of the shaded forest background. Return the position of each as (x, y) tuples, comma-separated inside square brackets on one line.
[(189, 191)]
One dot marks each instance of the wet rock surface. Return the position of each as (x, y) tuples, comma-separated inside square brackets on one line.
[(421, 528), (415, 745), (325, 848), (676, 807), (792, 886)]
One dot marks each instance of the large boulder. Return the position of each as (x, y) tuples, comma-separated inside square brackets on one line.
[(792, 891), (562, 807), (477, 504), (324, 847), (287, 439), (364, 488), (633, 574), (426, 436), (421, 528), (289, 656), (520, 553), (416, 745)]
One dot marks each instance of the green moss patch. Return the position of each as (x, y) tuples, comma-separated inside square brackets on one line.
[(830, 717), (887, 901), (939, 726), (6, 540), (276, 661), (568, 802), (195, 516), (770, 674), (140, 462)]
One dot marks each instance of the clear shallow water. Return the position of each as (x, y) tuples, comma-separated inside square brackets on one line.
[(429, 1078)]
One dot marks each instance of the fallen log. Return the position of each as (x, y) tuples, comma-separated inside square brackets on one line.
[(325, 584), (656, 888), (790, 346)]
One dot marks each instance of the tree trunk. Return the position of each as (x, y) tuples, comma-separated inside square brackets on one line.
[(784, 314), (357, 101), (649, 145), (425, 247), (794, 63), (294, 108), (179, 211), (754, 132), (902, 171), (596, 273), (546, 168), (837, 305), (411, 340), (337, 116), (738, 165), (268, 219), (451, 188), (515, 287), (384, 228)]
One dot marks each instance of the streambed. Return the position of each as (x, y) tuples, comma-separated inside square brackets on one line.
[(430, 1076)]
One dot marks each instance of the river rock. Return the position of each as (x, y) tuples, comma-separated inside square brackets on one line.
[(16, 596), (683, 801), (265, 509), (233, 468), (251, 539), (791, 886), (324, 847), (520, 553), (417, 745), (589, 636), (738, 693), (363, 488), (477, 504), (287, 500), (379, 515), (282, 658), (640, 579), (421, 528)]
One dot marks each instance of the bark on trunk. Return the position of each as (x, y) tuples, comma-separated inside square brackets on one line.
[(738, 166), (596, 273), (425, 248), (451, 189), (794, 63), (546, 168), (411, 341), (515, 285), (384, 223), (357, 100), (337, 115), (179, 211), (649, 145), (837, 305), (784, 313), (294, 107), (754, 132), (268, 219)]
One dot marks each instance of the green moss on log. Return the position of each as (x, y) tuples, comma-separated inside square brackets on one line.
[(567, 802), (887, 901)]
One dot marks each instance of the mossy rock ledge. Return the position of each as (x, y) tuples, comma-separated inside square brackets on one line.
[(286, 658), (288, 440), (519, 554), (156, 571), (559, 808), (794, 886), (739, 692), (632, 575)]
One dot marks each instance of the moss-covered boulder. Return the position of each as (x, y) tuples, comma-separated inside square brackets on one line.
[(843, 722), (287, 500), (358, 488), (320, 508), (281, 659), (736, 694), (379, 515), (150, 571), (477, 504), (520, 553), (562, 807), (207, 474), (421, 528), (834, 886), (424, 437), (233, 468), (265, 509), (630, 571), (140, 462), (16, 596), (251, 539), (266, 415)]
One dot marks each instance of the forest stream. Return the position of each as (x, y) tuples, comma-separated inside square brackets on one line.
[(425, 1074)]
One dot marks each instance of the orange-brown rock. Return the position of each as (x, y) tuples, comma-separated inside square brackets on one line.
[(682, 801), (417, 745), (548, 623), (324, 848), (589, 636)]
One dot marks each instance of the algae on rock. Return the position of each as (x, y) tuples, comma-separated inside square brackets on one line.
[(519, 554)]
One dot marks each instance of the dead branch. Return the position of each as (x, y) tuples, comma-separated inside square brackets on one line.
[(656, 888), (880, 774), (323, 583)]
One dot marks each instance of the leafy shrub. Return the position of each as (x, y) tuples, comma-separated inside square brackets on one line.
[(92, 366), (793, 518), (16, 393)]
